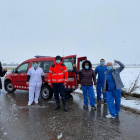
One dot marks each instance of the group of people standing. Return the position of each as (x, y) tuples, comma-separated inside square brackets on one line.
[(108, 83)]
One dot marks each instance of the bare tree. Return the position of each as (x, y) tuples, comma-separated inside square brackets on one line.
[(134, 85)]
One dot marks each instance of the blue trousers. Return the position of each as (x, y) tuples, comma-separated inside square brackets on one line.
[(112, 95), (100, 87), (88, 91), (59, 88)]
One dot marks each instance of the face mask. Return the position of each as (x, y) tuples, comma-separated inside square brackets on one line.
[(109, 68), (58, 61), (102, 63), (35, 65), (86, 67)]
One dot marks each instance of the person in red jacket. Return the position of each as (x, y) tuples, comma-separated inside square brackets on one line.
[(58, 78)]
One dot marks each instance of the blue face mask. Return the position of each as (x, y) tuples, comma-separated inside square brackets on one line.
[(58, 61), (86, 67), (101, 63), (109, 68), (35, 65)]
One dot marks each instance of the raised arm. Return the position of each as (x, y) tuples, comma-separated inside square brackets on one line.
[(122, 66), (75, 70), (94, 77)]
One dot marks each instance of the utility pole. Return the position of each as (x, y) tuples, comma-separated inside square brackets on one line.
[(63, 52)]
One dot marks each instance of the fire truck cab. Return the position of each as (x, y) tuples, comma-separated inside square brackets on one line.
[(18, 77)]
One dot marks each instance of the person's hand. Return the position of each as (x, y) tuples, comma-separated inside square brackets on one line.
[(114, 61), (95, 86), (49, 84), (5, 69), (104, 91), (27, 83), (65, 84), (43, 82), (74, 65)]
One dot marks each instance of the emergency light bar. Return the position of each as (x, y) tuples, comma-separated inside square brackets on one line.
[(38, 56)]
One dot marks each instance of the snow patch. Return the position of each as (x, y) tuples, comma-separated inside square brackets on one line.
[(133, 104), (5, 133), (59, 136)]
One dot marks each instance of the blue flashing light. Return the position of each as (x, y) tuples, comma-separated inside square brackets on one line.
[(38, 56)]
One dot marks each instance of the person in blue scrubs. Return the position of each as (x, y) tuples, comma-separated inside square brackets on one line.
[(100, 70), (113, 85)]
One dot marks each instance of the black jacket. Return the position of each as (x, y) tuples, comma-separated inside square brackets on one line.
[(87, 75), (2, 73)]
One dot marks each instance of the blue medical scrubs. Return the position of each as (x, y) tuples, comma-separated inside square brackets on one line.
[(100, 70), (113, 94), (88, 91)]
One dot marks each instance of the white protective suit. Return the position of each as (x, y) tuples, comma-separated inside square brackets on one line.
[(35, 83)]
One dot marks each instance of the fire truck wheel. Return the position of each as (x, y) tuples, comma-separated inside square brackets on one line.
[(9, 87), (46, 92)]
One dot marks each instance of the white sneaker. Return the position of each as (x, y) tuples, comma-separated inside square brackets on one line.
[(29, 104), (110, 116), (36, 102)]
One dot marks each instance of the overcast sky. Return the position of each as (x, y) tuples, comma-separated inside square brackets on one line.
[(97, 29)]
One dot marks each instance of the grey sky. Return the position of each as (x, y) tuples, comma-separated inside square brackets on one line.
[(97, 29)]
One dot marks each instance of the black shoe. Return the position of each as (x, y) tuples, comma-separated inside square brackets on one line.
[(57, 105), (85, 106), (99, 101), (65, 108), (64, 105), (93, 107)]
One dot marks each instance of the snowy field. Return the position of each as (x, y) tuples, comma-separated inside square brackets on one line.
[(129, 75)]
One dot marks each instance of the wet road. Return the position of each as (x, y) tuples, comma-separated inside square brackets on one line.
[(40, 122)]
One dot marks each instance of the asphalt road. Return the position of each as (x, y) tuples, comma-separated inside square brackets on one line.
[(40, 122)]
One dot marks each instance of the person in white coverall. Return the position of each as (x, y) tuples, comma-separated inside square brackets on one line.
[(35, 77)]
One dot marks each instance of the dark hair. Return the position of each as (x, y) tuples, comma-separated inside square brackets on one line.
[(36, 62), (102, 59)]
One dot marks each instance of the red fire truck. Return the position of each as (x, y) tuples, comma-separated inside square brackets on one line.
[(18, 77)]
